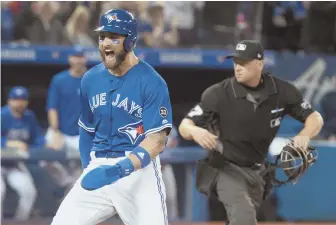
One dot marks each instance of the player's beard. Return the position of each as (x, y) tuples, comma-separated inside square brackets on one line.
[(118, 59)]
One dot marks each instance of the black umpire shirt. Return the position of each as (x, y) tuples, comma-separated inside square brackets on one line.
[(249, 118)]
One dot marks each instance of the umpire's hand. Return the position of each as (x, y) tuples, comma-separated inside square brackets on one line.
[(204, 138)]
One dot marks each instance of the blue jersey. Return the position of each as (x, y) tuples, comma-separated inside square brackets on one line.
[(64, 97), (120, 112), (25, 129)]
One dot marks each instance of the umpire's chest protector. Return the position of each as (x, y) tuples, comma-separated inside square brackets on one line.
[(244, 119)]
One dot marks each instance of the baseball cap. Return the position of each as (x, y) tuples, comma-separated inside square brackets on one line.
[(18, 92), (77, 51), (248, 50)]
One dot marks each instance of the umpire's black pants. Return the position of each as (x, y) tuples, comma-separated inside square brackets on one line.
[(241, 191)]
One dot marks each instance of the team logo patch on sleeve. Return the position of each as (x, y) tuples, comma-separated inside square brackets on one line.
[(133, 131), (163, 112)]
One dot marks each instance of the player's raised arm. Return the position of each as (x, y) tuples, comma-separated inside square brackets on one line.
[(86, 130)]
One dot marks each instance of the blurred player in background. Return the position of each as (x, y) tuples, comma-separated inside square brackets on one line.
[(169, 178), (63, 106), (20, 131), (63, 103)]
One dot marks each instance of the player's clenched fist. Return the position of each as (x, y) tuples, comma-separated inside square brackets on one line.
[(98, 178), (204, 138), (106, 174)]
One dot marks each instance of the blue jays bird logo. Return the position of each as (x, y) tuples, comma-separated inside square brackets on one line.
[(111, 17), (133, 131)]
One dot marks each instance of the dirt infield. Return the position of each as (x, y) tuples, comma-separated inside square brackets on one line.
[(47, 222)]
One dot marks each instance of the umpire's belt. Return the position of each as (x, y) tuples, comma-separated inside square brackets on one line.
[(217, 160), (109, 154), (255, 166)]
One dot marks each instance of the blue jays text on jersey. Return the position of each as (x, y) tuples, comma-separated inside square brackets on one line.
[(132, 108), (25, 129), (63, 96), (121, 111)]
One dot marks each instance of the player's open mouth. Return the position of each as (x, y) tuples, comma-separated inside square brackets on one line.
[(109, 54)]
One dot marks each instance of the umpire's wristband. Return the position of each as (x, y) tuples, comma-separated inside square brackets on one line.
[(142, 155)]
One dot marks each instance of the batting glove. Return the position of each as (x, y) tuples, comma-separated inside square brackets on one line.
[(105, 175)]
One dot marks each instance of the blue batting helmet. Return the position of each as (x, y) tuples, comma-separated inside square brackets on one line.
[(121, 22)]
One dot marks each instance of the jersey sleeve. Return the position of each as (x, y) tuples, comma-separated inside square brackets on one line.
[(296, 106), (53, 95), (157, 110), (86, 117), (86, 128), (206, 110)]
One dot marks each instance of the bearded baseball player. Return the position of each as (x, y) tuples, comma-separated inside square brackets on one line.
[(125, 118)]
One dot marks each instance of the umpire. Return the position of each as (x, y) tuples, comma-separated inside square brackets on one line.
[(239, 117)]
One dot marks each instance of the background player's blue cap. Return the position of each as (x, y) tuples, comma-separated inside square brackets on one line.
[(77, 51), (18, 92)]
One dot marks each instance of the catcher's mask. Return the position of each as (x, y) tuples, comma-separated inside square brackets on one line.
[(293, 162)]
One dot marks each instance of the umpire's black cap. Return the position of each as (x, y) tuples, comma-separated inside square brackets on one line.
[(248, 50)]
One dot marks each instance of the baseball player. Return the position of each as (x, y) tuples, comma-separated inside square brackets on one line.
[(125, 118), (19, 131), (63, 103), (63, 106)]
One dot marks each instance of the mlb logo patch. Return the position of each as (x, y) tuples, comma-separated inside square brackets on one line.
[(241, 47)]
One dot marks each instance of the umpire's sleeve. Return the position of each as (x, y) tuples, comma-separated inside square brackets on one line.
[(86, 129), (296, 106), (205, 111)]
